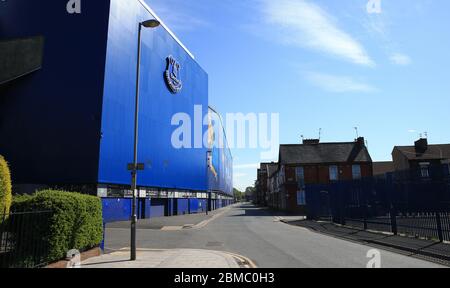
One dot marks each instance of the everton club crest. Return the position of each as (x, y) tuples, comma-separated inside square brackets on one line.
[(172, 75)]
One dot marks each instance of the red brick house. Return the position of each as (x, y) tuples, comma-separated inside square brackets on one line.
[(318, 163), (262, 196), (422, 161)]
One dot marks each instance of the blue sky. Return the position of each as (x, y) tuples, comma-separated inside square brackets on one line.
[(323, 64)]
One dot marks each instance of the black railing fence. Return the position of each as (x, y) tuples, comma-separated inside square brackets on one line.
[(18, 250), (412, 207)]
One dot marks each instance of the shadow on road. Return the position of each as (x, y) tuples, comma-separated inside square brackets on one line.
[(255, 211), (422, 248)]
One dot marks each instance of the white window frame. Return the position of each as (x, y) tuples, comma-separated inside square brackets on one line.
[(300, 177), (356, 176), (301, 198), (297, 169), (333, 168), (422, 170)]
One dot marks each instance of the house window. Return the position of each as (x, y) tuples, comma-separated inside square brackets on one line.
[(301, 198), (300, 177), (446, 169), (334, 176), (424, 170), (356, 171)]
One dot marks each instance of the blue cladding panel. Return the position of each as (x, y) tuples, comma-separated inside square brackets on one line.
[(143, 208), (193, 206), (220, 176), (182, 206), (147, 208), (171, 207), (165, 166), (157, 207), (201, 206), (50, 119), (116, 209)]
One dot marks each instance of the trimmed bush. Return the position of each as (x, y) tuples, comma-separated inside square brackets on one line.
[(5, 186), (19, 202), (74, 222)]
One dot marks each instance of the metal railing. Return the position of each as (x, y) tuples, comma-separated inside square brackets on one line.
[(426, 225), (22, 241), (413, 208)]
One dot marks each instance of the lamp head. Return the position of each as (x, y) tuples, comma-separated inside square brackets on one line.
[(153, 23)]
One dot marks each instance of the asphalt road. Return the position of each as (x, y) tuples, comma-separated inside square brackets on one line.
[(255, 233)]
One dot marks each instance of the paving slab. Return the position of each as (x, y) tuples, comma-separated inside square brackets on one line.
[(173, 258), (169, 223)]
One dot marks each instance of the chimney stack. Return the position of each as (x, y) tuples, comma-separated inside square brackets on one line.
[(311, 141), (361, 141), (421, 145)]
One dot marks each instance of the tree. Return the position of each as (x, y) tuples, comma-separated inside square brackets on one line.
[(238, 195), (5, 187)]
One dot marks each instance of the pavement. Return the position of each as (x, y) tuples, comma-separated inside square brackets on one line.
[(421, 248), (258, 235), (173, 258), (170, 223)]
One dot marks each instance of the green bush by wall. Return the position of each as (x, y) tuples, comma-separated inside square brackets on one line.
[(5, 186), (74, 221)]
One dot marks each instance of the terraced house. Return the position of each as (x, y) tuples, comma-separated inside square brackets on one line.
[(304, 167)]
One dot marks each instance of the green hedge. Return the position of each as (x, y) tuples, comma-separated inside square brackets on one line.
[(5, 186), (74, 222)]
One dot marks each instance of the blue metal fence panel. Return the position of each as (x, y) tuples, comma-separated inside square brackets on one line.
[(193, 205), (182, 206), (202, 205), (148, 208), (170, 207), (165, 166), (116, 209)]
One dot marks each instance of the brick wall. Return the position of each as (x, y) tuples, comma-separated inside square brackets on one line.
[(318, 174)]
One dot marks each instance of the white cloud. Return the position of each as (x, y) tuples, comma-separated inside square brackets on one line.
[(247, 166), (338, 84), (181, 19), (306, 24), (400, 59), (412, 131)]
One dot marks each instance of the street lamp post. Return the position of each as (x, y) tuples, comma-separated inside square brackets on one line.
[(135, 166)]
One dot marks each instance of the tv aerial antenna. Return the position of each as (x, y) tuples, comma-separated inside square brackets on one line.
[(357, 133)]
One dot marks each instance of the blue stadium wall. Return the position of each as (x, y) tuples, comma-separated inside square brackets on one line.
[(50, 120), (220, 172), (70, 124), (165, 166)]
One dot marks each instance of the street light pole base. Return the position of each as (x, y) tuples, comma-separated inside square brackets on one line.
[(133, 238)]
